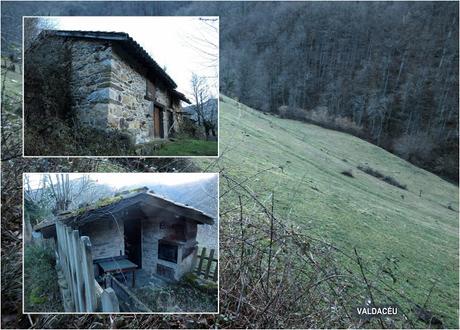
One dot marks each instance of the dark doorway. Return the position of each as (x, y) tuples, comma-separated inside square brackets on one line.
[(158, 122), (133, 241)]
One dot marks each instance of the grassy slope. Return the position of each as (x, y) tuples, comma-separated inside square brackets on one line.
[(418, 235), (13, 86), (189, 147)]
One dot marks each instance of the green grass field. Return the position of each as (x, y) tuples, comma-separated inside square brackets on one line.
[(302, 164), (188, 147), (12, 87)]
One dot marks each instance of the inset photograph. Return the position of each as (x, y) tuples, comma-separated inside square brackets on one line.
[(120, 243), (121, 86)]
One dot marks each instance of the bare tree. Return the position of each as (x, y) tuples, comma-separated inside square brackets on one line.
[(206, 43), (206, 115), (64, 191), (200, 96), (33, 26)]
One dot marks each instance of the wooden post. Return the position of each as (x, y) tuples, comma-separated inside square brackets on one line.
[(76, 261), (216, 272), (78, 269), (88, 274), (72, 278), (202, 256), (208, 268), (109, 301), (98, 294)]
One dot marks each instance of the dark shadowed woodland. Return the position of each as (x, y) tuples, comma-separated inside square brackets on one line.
[(314, 220)]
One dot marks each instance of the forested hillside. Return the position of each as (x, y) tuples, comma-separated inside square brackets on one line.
[(385, 71), (323, 183)]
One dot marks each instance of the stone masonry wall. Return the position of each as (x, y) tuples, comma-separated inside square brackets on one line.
[(133, 112), (90, 81), (152, 232), (106, 87), (106, 236)]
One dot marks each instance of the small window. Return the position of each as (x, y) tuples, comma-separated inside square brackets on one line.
[(150, 90)]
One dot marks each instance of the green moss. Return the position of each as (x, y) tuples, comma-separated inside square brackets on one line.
[(107, 201), (79, 211), (138, 189), (193, 280), (189, 278), (36, 297), (100, 203)]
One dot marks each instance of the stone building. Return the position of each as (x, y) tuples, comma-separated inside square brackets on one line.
[(105, 80), (156, 234)]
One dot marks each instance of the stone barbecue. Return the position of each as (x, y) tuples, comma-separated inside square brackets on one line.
[(110, 82)]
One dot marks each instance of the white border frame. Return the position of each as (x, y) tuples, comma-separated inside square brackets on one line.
[(142, 156), (126, 313)]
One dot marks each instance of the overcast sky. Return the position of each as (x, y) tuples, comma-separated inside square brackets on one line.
[(171, 41), (119, 180)]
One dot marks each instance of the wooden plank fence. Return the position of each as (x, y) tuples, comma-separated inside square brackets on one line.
[(206, 264), (74, 259), (128, 300)]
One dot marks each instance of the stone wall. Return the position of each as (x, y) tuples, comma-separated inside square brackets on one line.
[(155, 229), (98, 83), (90, 81), (132, 111), (106, 236), (109, 88), (150, 229)]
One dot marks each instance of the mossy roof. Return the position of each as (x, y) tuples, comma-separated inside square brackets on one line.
[(135, 195)]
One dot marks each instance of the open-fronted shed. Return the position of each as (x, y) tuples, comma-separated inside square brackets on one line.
[(152, 232)]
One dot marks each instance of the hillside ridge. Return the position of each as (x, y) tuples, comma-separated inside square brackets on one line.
[(302, 165)]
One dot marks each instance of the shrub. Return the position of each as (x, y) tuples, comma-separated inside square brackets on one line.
[(320, 116), (386, 178), (41, 290), (347, 125), (348, 172), (57, 137), (190, 129)]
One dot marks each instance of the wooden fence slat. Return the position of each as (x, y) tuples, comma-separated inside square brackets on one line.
[(211, 270), (75, 258), (208, 268), (202, 256), (71, 267), (78, 270), (216, 272), (98, 290), (72, 262), (88, 274), (109, 301), (132, 303)]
